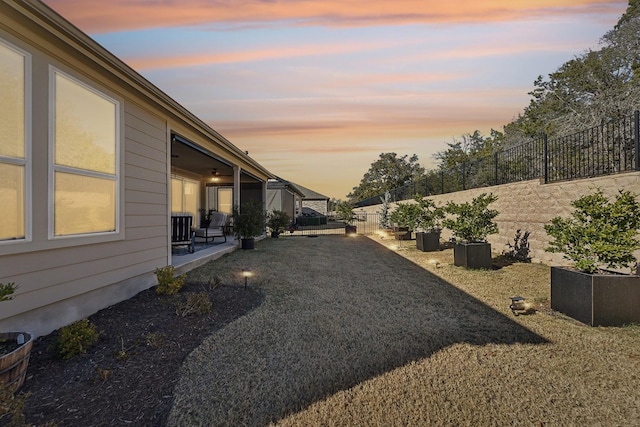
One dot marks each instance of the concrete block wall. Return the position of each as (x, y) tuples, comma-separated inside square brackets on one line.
[(529, 205)]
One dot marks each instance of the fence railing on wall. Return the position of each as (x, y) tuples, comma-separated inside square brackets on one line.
[(601, 150)]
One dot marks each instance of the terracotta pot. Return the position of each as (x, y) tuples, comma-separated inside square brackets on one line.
[(13, 366)]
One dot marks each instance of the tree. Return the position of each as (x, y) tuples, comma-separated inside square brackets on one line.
[(588, 90), (465, 157), (385, 174)]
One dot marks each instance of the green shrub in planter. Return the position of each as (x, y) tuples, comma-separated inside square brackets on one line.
[(598, 232), (406, 215), (471, 225), (277, 221), (473, 221), (431, 216), (345, 212), (250, 220)]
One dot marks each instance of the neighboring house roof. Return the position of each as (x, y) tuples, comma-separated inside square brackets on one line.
[(279, 183), (311, 195)]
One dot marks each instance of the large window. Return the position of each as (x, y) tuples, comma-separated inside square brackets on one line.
[(13, 143), (85, 152), (185, 196)]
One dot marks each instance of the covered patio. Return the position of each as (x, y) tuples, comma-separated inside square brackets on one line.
[(203, 180)]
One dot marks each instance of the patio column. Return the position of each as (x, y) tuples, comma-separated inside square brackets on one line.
[(236, 185)]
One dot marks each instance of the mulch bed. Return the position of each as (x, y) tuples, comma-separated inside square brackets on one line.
[(128, 376)]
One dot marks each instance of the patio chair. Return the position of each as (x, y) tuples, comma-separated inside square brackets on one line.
[(182, 233), (216, 228)]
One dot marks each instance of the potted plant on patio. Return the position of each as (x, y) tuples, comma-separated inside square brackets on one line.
[(599, 235), (405, 217), (345, 212), (15, 349), (430, 224), (471, 224), (249, 222), (277, 221)]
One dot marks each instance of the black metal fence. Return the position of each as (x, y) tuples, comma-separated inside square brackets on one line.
[(366, 223), (602, 150)]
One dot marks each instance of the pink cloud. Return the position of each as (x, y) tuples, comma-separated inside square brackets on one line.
[(120, 15), (180, 61)]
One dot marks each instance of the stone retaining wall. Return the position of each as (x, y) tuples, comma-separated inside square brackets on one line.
[(529, 205)]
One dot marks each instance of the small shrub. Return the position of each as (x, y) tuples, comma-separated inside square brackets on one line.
[(519, 250), (195, 304), (473, 221), (598, 232), (215, 282), (12, 404), (76, 339), (124, 353), (167, 284), (103, 374), (384, 213), (155, 340), (277, 221), (7, 290)]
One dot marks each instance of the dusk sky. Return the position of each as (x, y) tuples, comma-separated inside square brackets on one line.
[(316, 90)]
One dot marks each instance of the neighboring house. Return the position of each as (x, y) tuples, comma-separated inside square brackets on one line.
[(284, 196), (93, 161), (314, 201)]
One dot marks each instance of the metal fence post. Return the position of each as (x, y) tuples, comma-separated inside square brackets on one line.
[(545, 154), (442, 181), (495, 168), (636, 137)]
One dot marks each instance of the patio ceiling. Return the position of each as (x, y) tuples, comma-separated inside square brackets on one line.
[(187, 158)]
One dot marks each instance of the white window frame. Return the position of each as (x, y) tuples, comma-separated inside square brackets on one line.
[(53, 167), (27, 161)]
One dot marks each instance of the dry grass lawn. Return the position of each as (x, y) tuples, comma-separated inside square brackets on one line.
[(355, 333)]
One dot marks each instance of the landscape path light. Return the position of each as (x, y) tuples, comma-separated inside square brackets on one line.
[(520, 306), (246, 273)]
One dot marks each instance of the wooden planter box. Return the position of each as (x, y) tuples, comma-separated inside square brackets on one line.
[(350, 229), (428, 241), (13, 366), (472, 255), (596, 299)]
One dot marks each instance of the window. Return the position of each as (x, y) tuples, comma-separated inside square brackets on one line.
[(225, 200), (14, 159), (85, 158), (185, 196)]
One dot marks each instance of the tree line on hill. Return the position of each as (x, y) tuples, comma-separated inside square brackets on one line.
[(589, 90)]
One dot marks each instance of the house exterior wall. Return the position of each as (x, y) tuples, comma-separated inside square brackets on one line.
[(283, 200), (316, 205), (65, 279), (274, 199)]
